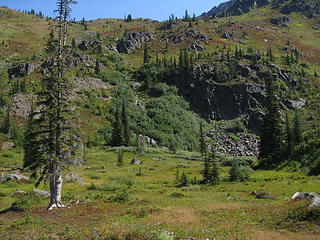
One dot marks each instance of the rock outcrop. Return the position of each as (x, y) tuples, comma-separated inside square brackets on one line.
[(21, 104), (218, 11), (196, 47), (22, 70), (315, 198), (217, 101), (281, 21), (14, 177), (240, 7), (239, 144), (134, 41)]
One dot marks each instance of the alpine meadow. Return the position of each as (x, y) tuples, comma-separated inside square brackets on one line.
[(198, 127)]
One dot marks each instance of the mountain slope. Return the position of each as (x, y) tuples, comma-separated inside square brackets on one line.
[(310, 8)]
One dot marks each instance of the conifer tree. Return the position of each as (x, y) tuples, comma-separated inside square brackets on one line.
[(202, 141), (125, 124), (181, 59), (146, 58), (214, 170), (117, 133), (186, 59), (57, 136), (31, 143), (97, 67), (120, 159), (177, 176), (270, 144), (296, 128), (6, 124), (211, 171), (129, 18), (74, 46), (289, 137), (183, 180)]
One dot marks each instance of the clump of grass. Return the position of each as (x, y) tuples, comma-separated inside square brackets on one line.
[(25, 202), (121, 197), (177, 195), (26, 220), (94, 176)]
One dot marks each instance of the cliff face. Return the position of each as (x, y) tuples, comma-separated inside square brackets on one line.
[(217, 101)]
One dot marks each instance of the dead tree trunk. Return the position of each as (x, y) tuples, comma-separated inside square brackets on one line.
[(55, 191)]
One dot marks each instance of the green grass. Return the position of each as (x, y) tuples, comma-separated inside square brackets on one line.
[(123, 204)]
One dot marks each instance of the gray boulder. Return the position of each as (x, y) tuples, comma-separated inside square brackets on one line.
[(41, 193), (19, 192), (73, 178), (22, 70), (147, 141), (14, 177), (281, 21), (312, 196), (133, 41), (243, 70), (296, 104), (196, 47)]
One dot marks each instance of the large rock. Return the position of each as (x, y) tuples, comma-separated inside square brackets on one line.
[(312, 196), (21, 104), (90, 83), (133, 41), (41, 193), (22, 70), (243, 70), (296, 104), (180, 37), (14, 177), (147, 141), (196, 47), (73, 178), (281, 21)]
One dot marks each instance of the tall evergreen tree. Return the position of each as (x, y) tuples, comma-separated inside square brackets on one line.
[(6, 123), (211, 170), (270, 144), (117, 133), (125, 124), (31, 143), (181, 59), (289, 137), (296, 128), (202, 141), (146, 58), (97, 67), (56, 136)]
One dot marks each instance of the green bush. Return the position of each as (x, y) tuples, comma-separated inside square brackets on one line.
[(239, 173), (25, 202), (121, 197)]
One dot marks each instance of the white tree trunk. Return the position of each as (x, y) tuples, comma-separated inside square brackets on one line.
[(55, 191)]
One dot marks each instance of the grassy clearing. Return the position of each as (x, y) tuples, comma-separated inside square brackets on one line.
[(115, 202)]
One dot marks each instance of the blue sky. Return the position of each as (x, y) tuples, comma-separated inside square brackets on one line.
[(92, 9)]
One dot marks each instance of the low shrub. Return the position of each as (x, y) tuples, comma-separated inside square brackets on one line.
[(121, 197), (25, 202)]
